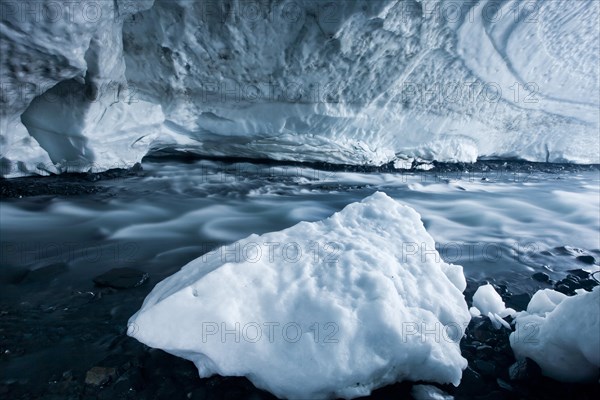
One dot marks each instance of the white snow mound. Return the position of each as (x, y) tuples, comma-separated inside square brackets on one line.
[(560, 333), (334, 308)]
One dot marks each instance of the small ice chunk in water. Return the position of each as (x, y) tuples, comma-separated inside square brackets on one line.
[(488, 302), (474, 312)]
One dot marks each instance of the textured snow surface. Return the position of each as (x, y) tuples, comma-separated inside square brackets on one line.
[(320, 325), (561, 334), (100, 83)]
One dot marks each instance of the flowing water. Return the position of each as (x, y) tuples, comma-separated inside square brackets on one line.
[(502, 223)]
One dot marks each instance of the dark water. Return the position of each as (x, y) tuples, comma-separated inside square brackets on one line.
[(504, 223)]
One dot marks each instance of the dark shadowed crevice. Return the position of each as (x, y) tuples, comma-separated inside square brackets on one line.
[(56, 118)]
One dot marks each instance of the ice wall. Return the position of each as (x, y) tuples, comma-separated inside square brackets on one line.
[(100, 83)]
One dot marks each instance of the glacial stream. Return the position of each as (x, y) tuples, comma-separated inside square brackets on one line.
[(502, 221)]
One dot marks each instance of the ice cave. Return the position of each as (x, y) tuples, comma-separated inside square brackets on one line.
[(299, 199)]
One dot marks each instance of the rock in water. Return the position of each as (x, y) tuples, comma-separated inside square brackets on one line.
[(121, 278), (587, 259), (519, 301), (334, 308), (98, 376), (541, 277), (524, 370), (47, 273)]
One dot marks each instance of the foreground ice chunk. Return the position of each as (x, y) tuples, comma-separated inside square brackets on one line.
[(561, 334), (375, 304)]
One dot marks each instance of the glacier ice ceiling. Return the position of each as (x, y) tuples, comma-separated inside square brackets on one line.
[(99, 84)]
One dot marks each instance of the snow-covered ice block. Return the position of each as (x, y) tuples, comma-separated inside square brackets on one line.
[(561, 334), (327, 309)]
